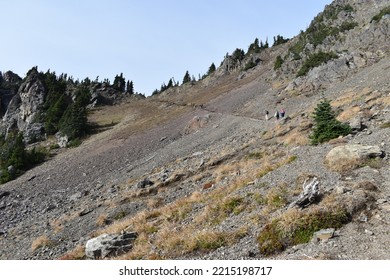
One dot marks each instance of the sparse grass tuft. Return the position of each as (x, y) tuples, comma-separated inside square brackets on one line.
[(233, 205), (41, 241), (102, 220), (296, 227), (384, 11), (375, 163), (385, 125), (291, 159), (76, 254), (255, 155), (276, 197)]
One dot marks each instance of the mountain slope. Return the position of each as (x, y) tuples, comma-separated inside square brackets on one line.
[(221, 175)]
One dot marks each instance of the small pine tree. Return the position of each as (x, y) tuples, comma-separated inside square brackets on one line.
[(278, 40), (238, 54), (170, 83), (278, 62), (119, 83), (186, 78), (211, 69), (326, 126), (130, 87)]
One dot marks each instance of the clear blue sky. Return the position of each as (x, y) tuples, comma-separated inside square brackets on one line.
[(149, 41)]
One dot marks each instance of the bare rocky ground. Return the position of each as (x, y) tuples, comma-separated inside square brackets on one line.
[(58, 204), (216, 167)]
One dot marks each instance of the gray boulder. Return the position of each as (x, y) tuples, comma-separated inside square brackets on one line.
[(34, 132), (144, 183), (356, 124), (324, 234), (107, 245), (352, 154), (62, 140)]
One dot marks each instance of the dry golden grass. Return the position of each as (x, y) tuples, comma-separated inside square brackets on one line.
[(57, 225), (226, 170), (348, 113), (41, 241), (344, 165), (142, 249), (385, 100), (198, 177), (155, 202), (349, 96), (294, 226), (296, 138), (276, 197), (338, 141), (102, 220), (287, 221), (77, 253)]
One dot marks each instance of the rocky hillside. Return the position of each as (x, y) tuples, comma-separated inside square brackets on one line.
[(197, 172)]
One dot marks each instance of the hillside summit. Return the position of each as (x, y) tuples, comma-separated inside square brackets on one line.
[(197, 172)]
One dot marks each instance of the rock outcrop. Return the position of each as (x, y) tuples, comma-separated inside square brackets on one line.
[(107, 245), (9, 84), (23, 108), (350, 155)]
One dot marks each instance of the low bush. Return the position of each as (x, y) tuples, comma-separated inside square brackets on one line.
[(315, 60), (283, 232), (384, 11)]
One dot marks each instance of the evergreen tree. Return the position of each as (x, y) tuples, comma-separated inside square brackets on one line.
[(74, 122), (170, 83), (278, 62), (18, 153), (186, 78), (163, 87), (211, 69), (278, 40), (13, 153), (326, 126), (119, 83), (238, 54), (130, 87), (254, 47)]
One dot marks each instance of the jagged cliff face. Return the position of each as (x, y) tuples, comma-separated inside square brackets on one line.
[(346, 28), (23, 107), (9, 84)]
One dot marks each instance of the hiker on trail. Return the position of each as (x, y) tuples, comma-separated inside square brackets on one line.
[(282, 112), (266, 115), (277, 115)]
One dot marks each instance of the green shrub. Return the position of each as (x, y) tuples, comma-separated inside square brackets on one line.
[(278, 235), (298, 47), (315, 60), (233, 205), (249, 65), (278, 62), (13, 152), (347, 25), (326, 126), (384, 11), (385, 125)]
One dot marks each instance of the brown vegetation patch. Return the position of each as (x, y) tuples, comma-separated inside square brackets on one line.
[(41, 241), (295, 226)]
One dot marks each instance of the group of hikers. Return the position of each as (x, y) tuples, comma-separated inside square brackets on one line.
[(277, 115)]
